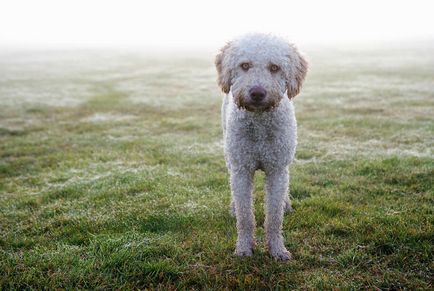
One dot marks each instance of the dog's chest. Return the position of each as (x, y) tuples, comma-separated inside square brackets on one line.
[(256, 134), (260, 141), (260, 131)]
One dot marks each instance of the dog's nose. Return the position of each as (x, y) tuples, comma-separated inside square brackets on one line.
[(257, 93)]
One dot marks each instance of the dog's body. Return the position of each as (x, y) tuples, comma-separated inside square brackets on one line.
[(260, 74), (275, 131), (258, 141)]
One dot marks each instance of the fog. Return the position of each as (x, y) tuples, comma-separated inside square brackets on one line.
[(206, 24)]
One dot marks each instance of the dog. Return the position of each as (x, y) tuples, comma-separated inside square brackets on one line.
[(260, 75)]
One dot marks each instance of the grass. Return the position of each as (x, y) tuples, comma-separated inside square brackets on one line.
[(112, 174)]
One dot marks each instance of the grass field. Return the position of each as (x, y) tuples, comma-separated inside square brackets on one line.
[(112, 174)]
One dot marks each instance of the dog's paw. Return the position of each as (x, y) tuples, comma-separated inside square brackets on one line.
[(243, 252), (287, 208), (281, 255), (244, 247), (277, 250)]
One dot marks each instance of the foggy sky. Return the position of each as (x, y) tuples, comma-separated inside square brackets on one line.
[(190, 23)]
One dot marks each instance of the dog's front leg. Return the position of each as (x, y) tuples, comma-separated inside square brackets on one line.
[(276, 186), (242, 187)]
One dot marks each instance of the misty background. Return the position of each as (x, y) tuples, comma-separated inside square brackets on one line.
[(208, 24)]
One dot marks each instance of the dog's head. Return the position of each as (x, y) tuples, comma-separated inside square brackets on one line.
[(259, 69)]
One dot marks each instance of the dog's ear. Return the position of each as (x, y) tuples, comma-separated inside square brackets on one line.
[(298, 72), (224, 73)]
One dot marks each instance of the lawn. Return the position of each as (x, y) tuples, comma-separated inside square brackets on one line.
[(112, 174)]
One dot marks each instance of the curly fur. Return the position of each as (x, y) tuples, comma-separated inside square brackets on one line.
[(260, 137)]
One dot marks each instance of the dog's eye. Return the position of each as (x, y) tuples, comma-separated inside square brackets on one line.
[(274, 68), (245, 66)]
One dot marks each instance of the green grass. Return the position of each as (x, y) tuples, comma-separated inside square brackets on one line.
[(112, 175)]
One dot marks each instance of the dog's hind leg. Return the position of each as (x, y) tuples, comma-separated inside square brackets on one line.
[(287, 207), (232, 208)]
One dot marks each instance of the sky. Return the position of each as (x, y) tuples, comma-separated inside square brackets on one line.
[(198, 24)]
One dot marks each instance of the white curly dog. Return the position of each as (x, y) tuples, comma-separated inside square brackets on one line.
[(260, 75)]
